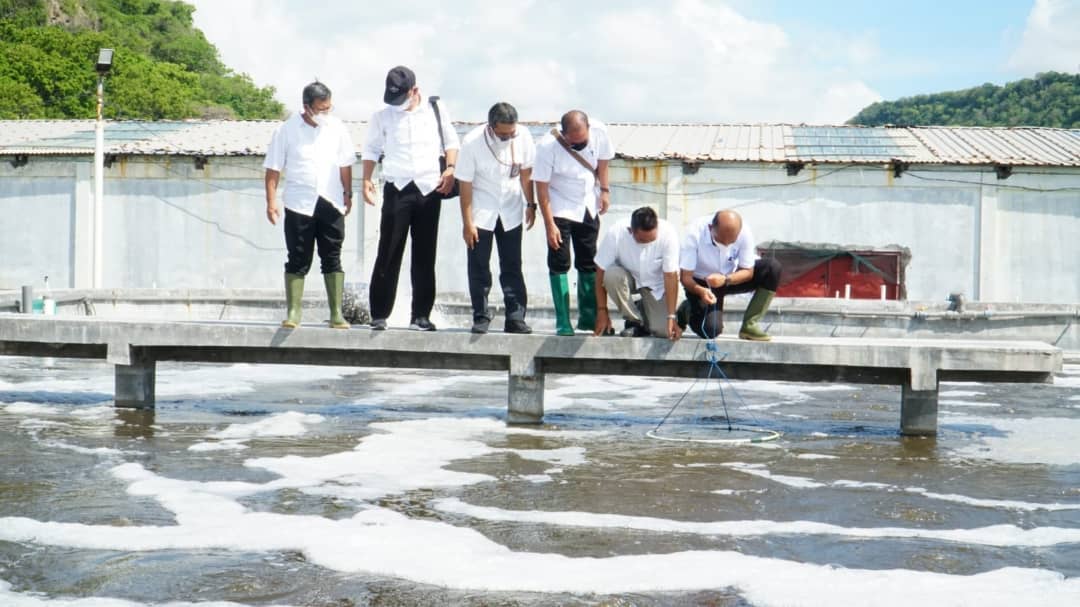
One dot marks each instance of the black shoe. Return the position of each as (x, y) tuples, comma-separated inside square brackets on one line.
[(480, 326), (378, 324), (421, 323), (517, 326), (633, 329)]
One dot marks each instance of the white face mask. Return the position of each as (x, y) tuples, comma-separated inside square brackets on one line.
[(320, 119)]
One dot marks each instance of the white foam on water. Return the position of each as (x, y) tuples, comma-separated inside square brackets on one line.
[(816, 456), (378, 541), (34, 423), (1040, 440), (202, 380), (1067, 380), (21, 408), (736, 491), (994, 535), (418, 386), (290, 423), (9, 598), (103, 451), (967, 403), (225, 445), (537, 478), (800, 482), (566, 456), (759, 470), (959, 393)]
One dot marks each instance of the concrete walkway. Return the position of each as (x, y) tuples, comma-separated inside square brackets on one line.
[(917, 365)]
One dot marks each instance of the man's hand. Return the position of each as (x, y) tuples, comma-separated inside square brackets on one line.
[(673, 330), (530, 218), (554, 237), (348, 204), (446, 181), (605, 201), (369, 192), (716, 280), (273, 212), (470, 234), (603, 322), (707, 295)]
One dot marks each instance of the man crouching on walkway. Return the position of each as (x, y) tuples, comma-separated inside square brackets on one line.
[(316, 153), (639, 256), (719, 257)]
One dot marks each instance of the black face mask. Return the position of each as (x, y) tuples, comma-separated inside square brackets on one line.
[(580, 146)]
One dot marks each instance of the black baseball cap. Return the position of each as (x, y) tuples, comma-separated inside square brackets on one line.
[(399, 82)]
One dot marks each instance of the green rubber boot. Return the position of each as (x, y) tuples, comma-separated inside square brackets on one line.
[(560, 294), (294, 299), (335, 286), (755, 310), (586, 300)]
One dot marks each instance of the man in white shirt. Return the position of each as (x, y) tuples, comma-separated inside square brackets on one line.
[(571, 176), (410, 136), (316, 153), (719, 257), (494, 170), (640, 256)]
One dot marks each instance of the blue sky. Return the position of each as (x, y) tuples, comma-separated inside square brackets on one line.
[(926, 46), (728, 61)]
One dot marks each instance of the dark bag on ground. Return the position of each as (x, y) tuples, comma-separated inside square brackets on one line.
[(456, 189)]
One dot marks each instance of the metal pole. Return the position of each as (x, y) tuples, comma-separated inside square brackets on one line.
[(27, 299), (99, 184)]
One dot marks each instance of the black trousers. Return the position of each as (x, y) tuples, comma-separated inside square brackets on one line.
[(708, 320), (325, 229), (510, 276), (406, 212), (582, 234)]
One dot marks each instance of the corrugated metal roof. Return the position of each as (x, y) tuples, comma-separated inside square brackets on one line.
[(1019, 146)]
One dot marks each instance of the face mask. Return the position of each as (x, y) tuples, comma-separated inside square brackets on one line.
[(580, 146), (320, 118), (497, 141)]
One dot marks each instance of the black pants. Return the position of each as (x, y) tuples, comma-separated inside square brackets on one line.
[(406, 212), (325, 229), (510, 276), (708, 320), (583, 235)]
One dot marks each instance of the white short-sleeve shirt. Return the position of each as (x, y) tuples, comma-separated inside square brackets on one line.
[(647, 263), (409, 144), (312, 159), (573, 190), (487, 163), (703, 256)]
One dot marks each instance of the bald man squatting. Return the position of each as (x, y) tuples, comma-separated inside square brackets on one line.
[(718, 258)]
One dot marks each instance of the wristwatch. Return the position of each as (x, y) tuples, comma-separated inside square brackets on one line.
[(603, 189), (531, 205), (348, 193), (672, 317)]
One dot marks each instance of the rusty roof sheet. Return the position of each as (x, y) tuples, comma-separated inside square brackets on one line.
[(1028, 146)]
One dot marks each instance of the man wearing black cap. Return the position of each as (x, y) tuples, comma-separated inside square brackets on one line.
[(409, 137)]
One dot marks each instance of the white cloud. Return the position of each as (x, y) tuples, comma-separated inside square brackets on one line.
[(690, 60), (1050, 40)]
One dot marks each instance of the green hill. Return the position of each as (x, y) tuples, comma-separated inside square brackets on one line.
[(1051, 99), (163, 68)]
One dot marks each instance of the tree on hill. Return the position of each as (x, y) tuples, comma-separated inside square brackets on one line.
[(163, 67), (1050, 99)]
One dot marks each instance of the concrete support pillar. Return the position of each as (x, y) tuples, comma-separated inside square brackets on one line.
[(135, 374), (918, 411), (525, 393)]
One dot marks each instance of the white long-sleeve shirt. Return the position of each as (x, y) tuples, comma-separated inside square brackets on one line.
[(409, 144)]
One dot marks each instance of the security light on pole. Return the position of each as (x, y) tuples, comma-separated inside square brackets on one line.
[(103, 67)]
